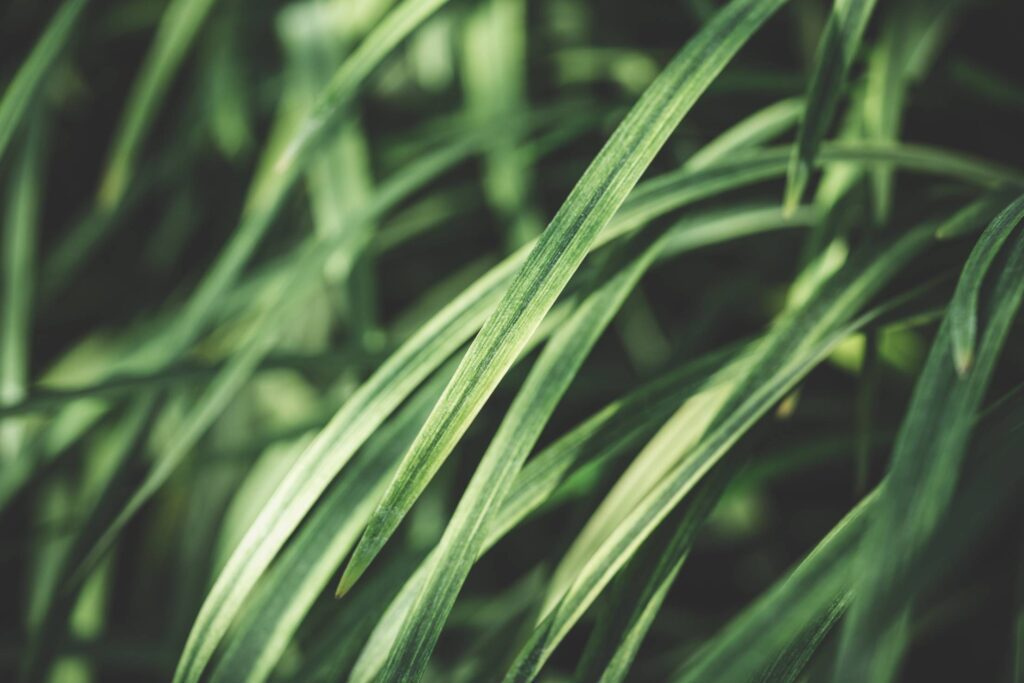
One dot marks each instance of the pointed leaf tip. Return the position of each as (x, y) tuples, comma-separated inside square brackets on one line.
[(796, 183)]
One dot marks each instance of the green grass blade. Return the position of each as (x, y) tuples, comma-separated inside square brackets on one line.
[(749, 643), (923, 474), (761, 126), (306, 567), (18, 249), (794, 346), (178, 27), (562, 246), (536, 401), (826, 578), (22, 89), (964, 305), (335, 98), (644, 583), (836, 51)]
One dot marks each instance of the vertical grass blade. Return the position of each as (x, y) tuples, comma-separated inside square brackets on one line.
[(18, 249), (23, 88), (836, 52), (923, 475), (963, 311)]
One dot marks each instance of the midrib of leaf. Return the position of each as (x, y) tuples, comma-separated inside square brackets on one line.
[(923, 474), (21, 91), (558, 253), (836, 51)]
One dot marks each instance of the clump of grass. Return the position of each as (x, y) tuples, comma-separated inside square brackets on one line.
[(497, 339)]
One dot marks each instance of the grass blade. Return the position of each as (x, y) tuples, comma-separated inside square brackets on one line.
[(964, 305), (794, 346), (178, 28), (25, 85), (923, 474), (641, 589), (836, 51), (562, 246), (18, 243)]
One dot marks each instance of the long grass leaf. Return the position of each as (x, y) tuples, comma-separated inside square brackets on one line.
[(178, 27), (836, 52), (794, 346), (922, 478), (964, 305), (27, 81), (18, 248)]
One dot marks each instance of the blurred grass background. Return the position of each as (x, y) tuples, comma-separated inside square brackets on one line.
[(180, 318)]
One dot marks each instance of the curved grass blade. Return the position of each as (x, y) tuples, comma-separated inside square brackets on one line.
[(963, 309), (22, 89), (759, 127), (923, 474), (796, 344), (836, 51), (561, 247), (178, 27)]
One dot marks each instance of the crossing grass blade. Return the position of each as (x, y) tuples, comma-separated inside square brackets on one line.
[(23, 88), (825, 581), (794, 346), (750, 642), (550, 377), (923, 475), (836, 51), (639, 591), (759, 127), (964, 305), (562, 246)]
